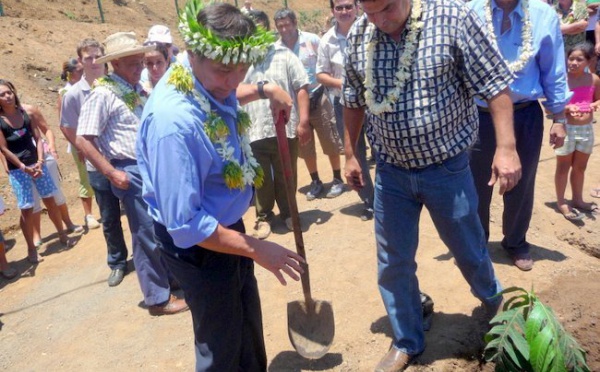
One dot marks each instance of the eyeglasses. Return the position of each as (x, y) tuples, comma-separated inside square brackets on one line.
[(339, 8)]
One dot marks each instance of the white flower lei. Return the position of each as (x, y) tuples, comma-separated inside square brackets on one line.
[(251, 49), (252, 173), (526, 36), (405, 61), (130, 97)]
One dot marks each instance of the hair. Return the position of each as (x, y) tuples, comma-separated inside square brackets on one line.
[(88, 43), (585, 47), (163, 49), (68, 66), (258, 16), (226, 21), (12, 88), (331, 3), (285, 13)]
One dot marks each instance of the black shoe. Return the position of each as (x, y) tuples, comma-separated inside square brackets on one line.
[(116, 277), (427, 306), (367, 214)]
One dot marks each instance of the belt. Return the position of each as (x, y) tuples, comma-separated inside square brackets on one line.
[(516, 106)]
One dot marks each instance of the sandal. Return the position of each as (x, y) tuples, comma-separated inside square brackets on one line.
[(591, 208), (66, 241), (9, 273), (33, 257), (595, 193), (75, 229), (573, 215)]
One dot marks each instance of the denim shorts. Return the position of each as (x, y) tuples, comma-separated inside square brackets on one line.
[(579, 138), (22, 185)]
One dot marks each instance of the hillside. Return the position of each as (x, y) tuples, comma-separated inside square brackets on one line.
[(38, 35), (60, 315)]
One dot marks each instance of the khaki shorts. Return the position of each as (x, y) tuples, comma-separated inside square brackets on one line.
[(579, 138), (322, 120)]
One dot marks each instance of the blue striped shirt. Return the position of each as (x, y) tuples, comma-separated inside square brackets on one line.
[(545, 73)]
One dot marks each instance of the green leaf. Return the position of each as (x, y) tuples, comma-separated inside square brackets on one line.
[(542, 351), (506, 338), (529, 337), (574, 355)]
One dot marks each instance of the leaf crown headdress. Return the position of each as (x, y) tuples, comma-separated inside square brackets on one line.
[(201, 40)]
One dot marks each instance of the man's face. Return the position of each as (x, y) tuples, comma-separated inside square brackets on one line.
[(288, 30), (88, 61), (218, 79), (388, 15), (344, 11), (129, 68)]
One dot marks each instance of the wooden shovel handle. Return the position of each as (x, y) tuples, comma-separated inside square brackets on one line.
[(286, 164)]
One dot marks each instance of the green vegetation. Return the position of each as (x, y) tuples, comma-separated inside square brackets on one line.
[(311, 20), (527, 336), (70, 15)]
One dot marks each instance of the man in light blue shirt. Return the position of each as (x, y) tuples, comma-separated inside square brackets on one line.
[(528, 35), (198, 175)]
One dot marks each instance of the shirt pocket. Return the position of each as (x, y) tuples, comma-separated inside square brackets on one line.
[(433, 79)]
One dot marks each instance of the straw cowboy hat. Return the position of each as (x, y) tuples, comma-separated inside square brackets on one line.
[(122, 44)]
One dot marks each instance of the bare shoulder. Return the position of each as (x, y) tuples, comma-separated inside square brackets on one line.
[(34, 113), (30, 109)]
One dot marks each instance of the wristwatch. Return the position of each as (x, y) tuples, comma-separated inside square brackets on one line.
[(562, 121), (261, 89)]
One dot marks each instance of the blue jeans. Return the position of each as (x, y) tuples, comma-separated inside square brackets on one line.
[(518, 202), (448, 192), (151, 271), (110, 212)]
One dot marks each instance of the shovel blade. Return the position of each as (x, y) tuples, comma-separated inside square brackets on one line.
[(311, 327)]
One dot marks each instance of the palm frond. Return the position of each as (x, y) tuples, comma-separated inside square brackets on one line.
[(527, 336), (506, 337), (574, 355)]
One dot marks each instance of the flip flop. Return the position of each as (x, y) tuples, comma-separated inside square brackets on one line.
[(591, 208), (595, 193), (33, 257), (574, 215), (9, 273)]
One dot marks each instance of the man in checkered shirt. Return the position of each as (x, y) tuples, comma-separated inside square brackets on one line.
[(421, 141)]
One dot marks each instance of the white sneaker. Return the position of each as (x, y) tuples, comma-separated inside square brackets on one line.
[(91, 222), (337, 188), (262, 230)]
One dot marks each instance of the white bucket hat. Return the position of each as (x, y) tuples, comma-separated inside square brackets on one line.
[(159, 34), (122, 44)]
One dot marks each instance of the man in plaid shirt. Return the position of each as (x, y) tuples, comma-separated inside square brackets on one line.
[(421, 132)]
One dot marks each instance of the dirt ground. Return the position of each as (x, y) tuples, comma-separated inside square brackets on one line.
[(61, 315)]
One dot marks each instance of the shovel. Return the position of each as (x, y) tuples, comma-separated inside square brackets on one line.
[(310, 322)]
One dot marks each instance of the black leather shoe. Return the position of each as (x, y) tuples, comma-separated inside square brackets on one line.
[(116, 277)]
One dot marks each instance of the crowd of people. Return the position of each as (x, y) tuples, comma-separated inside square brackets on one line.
[(447, 93)]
